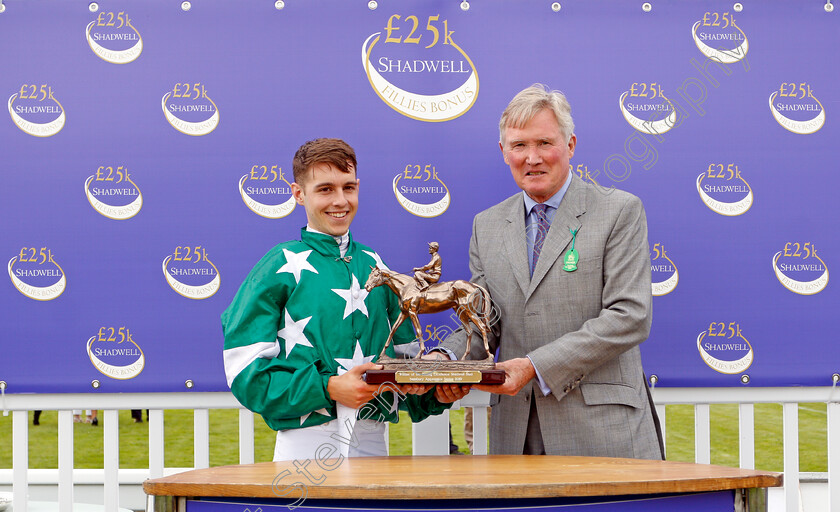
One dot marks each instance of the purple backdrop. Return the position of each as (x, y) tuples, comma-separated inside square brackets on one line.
[(147, 154)]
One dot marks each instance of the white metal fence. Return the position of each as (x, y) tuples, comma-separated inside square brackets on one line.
[(119, 486)]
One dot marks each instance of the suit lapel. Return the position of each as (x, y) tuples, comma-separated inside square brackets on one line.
[(515, 247), (559, 235)]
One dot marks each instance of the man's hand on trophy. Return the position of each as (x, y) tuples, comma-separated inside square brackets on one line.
[(518, 372), (350, 389)]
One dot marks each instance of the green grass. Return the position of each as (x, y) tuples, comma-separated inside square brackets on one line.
[(224, 445), (813, 444)]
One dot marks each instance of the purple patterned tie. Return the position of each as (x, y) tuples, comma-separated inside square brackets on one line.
[(541, 226)]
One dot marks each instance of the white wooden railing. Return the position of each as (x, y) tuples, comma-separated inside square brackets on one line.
[(430, 437)]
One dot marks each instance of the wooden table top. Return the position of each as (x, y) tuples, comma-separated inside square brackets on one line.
[(467, 477)]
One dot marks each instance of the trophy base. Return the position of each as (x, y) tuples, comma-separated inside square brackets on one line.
[(423, 371)]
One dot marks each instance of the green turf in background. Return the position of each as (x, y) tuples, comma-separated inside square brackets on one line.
[(224, 444)]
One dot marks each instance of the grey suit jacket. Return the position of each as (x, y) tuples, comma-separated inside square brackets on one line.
[(581, 329)]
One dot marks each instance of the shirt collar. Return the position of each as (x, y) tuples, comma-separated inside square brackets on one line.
[(553, 201), (330, 242)]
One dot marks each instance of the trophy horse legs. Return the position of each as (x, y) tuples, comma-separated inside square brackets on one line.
[(483, 322), (399, 322), (465, 316), (412, 313), (485, 329), (468, 328), (468, 315)]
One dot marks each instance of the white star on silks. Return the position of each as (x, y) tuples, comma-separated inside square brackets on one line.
[(355, 297), (296, 263), (358, 358), (379, 262), (322, 412), (293, 334)]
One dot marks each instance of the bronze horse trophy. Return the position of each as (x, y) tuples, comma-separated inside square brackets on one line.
[(471, 303)]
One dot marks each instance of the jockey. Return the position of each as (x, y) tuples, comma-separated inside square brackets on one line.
[(429, 273)]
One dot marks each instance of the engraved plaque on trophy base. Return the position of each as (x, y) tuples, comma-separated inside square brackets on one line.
[(419, 371)]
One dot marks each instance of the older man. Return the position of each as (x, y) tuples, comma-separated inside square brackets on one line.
[(569, 268)]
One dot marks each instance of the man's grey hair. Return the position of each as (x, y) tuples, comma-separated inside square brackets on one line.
[(529, 102)]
